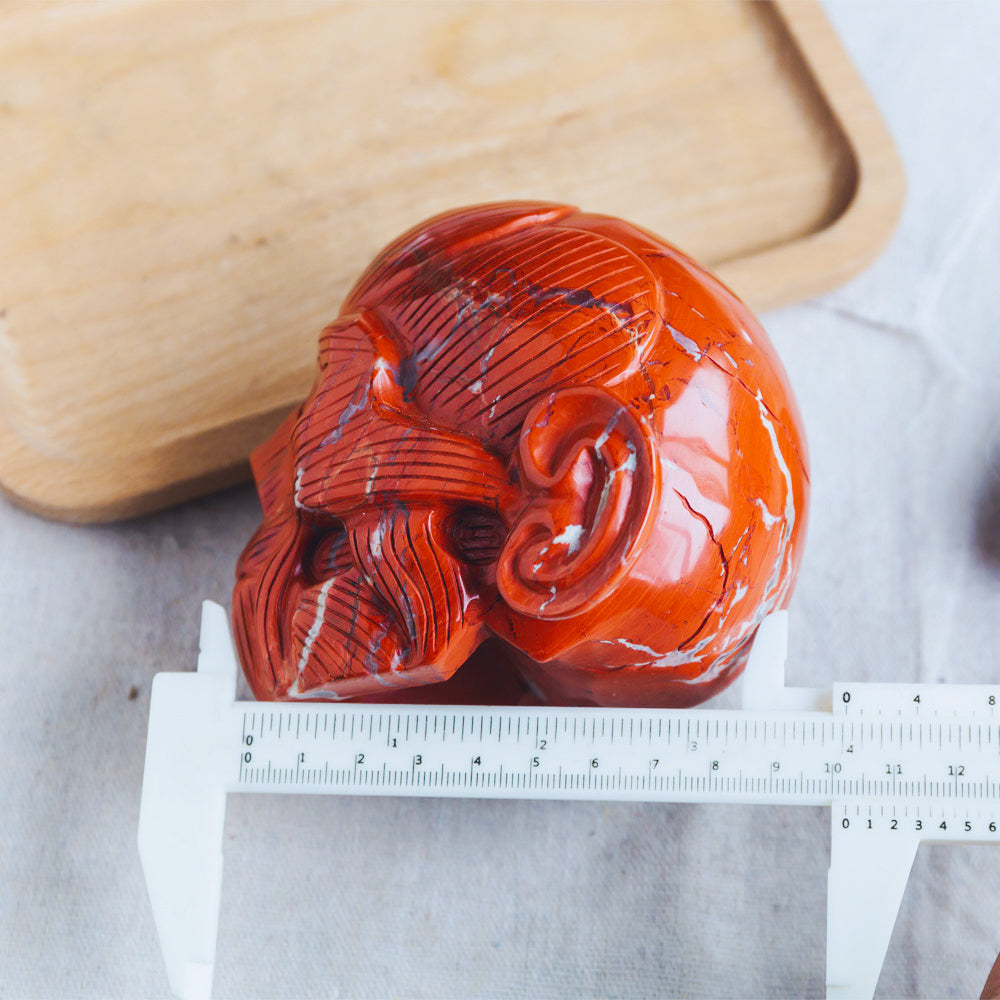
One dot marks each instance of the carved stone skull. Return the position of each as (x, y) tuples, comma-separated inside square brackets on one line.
[(536, 424)]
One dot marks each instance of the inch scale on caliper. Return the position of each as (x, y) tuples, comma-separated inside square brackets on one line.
[(897, 763)]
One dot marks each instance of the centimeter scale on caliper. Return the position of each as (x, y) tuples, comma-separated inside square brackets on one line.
[(546, 753), (897, 763)]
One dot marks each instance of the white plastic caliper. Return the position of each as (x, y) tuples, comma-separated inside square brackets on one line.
[(897, 764)]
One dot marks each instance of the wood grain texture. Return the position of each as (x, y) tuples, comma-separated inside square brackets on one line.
[(189, 190)]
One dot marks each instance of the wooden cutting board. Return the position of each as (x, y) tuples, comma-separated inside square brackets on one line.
[(188, 190)]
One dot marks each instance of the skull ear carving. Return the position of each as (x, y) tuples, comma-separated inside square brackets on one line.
[(587, 463)]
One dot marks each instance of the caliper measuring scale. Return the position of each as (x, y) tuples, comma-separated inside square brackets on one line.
[(896, 763)]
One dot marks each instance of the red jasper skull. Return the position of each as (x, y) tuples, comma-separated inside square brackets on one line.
[(537, 424)]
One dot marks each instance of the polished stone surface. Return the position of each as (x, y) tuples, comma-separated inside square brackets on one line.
[(539, 425)]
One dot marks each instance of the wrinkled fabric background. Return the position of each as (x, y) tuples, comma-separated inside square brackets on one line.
[(898, 376)]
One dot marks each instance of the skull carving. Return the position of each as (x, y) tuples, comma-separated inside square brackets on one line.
[(536, 424)]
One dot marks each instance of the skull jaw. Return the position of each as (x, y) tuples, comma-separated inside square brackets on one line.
[(488, 677), (560, 683), (305, 648)]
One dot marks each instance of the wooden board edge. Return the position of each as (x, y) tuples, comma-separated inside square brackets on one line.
[(854, 239), (92, 490), (101, 511)]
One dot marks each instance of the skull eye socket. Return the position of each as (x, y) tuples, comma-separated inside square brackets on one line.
[(327, 553), (477, 535)]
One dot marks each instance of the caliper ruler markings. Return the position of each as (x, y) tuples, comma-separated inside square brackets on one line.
[(897, 763)]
